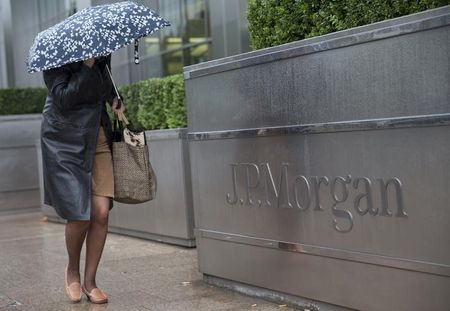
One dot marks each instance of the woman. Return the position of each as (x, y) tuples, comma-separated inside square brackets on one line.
[(76, 140)]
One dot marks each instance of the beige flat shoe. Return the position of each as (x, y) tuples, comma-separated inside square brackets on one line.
[(96, 295), (73, 291)]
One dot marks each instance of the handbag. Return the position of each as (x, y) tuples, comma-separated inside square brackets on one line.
[(134, 177)]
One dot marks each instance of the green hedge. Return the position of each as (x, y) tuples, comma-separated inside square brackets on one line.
[(22, 101), (151, 104), (156, 103), (130, 94), (274, 22)]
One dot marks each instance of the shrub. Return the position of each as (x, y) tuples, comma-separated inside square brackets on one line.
[(274, 22), (130, 96), (161, 103), (175, 107), (22, 101), (151, 104)]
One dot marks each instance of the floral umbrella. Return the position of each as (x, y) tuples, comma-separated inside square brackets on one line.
[(92, 32)]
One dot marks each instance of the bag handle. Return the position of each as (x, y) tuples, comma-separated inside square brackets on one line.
[(121, 117)]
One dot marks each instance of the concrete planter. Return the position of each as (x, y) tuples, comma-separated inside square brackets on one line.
[(19, 184), (169, 217), (320, 168)]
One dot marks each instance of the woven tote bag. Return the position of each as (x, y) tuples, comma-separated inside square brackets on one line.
[(134, 177)]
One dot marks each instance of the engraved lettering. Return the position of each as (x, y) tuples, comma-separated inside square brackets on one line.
[(269, 178), (367, 194), (233, 200), (283, 186), (337, 212), (257, 178), (317, 181), (248, 185), (307, 192), (398, 195)]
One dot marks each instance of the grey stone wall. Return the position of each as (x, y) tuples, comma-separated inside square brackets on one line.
[(320, 167), (19, 182)]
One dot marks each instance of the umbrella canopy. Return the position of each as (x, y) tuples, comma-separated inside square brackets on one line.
[(92, 32)]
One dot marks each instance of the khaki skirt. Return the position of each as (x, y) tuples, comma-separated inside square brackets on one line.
[(102, 171)]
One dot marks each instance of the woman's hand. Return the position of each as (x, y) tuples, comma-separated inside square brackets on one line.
[(115, 105), (89, 62)]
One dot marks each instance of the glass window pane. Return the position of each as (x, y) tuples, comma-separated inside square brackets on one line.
[(51, 12), (196, 19), (197, 54), (149, 45), (171, 36), (173, 62)]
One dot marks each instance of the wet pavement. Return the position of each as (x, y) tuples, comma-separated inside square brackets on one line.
[(137, 275)]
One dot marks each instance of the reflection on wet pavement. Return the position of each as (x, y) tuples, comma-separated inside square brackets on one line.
[(137, 275)]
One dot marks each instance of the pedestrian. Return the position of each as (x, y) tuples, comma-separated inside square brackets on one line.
[(76, 140)]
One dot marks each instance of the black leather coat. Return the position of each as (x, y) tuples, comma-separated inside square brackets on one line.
[(73, 113)]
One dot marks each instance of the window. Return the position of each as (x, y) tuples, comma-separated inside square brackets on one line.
[(186, 41)]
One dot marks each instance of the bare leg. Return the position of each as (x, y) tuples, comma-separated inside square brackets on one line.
[(75, 234), (96, 238)]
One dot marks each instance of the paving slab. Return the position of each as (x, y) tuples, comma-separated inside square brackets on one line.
[(137, 275)]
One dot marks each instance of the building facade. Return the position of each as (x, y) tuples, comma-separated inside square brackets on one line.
[(200, 30)]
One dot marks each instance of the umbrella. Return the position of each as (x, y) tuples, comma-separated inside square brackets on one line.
[(92, 32)]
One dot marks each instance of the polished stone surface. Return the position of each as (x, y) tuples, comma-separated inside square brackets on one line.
[(368, 33), (363, 73), (268, 127), (137, 275), (332, 127), (19, 183)]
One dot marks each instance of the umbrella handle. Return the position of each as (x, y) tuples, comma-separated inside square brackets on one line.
[(136, 51), (115, 87)]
